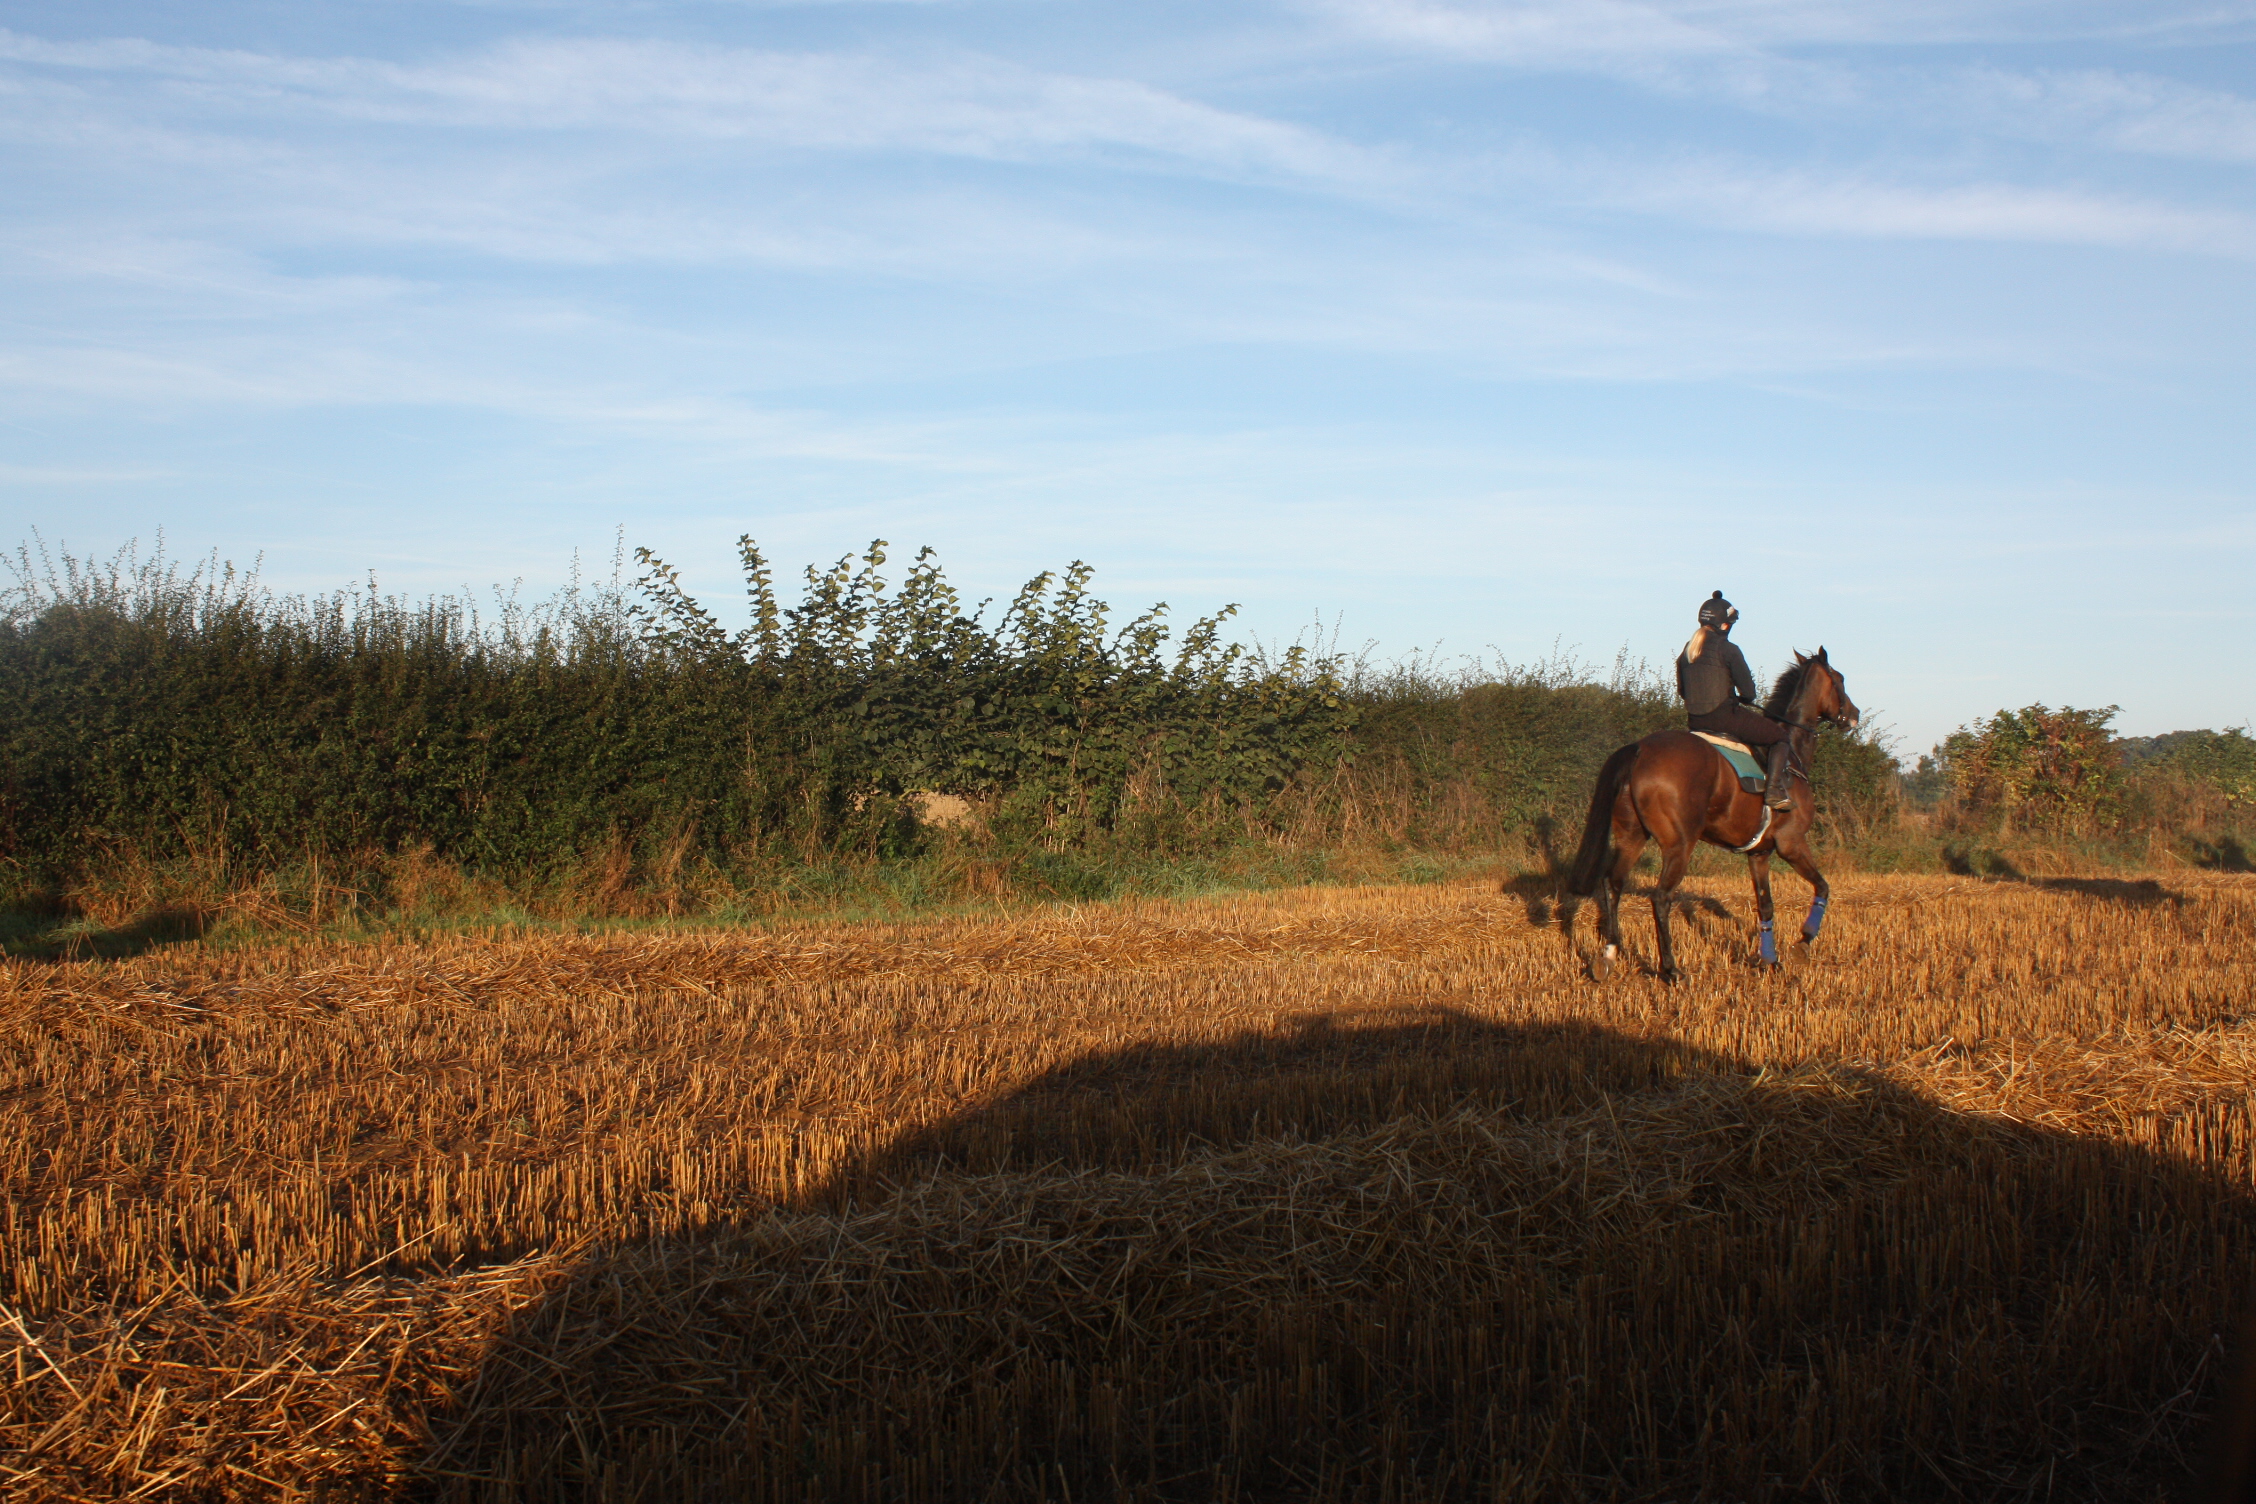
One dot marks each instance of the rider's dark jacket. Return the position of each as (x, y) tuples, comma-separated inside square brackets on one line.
[(1711, 673)]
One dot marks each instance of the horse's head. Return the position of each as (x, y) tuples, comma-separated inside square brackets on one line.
[(1825, 694)]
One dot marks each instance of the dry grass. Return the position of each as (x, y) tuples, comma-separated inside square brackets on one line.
[(1330, 1194)]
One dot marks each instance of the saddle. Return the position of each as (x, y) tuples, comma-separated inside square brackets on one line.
[(1753, 776)]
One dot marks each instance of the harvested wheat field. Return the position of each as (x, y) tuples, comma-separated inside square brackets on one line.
[(1334, 1194)]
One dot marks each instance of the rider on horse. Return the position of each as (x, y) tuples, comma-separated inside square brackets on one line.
[(1719, 693)]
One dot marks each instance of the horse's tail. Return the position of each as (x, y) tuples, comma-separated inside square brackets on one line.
[(1597, 830)]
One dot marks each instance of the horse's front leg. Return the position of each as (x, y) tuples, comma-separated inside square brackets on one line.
[(1663, 898), (1758, 869), (1795, 849)]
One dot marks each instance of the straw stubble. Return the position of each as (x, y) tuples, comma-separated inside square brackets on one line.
[(1330, 1194)]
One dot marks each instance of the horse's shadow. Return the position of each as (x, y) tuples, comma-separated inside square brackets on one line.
[(1413, 1256), (1541, 894)]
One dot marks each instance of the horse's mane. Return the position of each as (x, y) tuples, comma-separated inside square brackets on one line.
[(1782, 693)]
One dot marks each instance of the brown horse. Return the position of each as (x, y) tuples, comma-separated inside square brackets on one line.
[(1675, 789)]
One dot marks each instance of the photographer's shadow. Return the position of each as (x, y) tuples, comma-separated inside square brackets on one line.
[(1409, 1255)]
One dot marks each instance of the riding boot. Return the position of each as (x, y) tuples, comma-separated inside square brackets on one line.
[(1779, 792)]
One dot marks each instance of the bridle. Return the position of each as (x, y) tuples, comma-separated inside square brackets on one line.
[(1812, 726)]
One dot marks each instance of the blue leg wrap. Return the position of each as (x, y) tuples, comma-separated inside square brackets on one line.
[(1816, 920), (1769, 945)]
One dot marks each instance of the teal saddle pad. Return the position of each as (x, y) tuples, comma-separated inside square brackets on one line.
[(1752, 775)]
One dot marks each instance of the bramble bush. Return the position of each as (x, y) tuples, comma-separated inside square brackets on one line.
[(2036, 762)]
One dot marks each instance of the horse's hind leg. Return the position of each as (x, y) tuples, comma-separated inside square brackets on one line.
[(1758, 869), (1676, 855), (1628, 846), (1609, 928)]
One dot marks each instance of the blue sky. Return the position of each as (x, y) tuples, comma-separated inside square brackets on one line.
[(1924, 331)]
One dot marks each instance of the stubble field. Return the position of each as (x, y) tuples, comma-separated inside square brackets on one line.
[(1330, 1194)]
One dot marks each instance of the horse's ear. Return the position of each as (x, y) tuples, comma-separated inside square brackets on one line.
[(1821, 656), (1798, 658)]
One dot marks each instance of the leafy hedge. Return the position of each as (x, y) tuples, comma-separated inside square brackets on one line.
[(188, 711)]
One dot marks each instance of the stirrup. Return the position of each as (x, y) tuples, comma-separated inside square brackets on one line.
[(1778, 792)]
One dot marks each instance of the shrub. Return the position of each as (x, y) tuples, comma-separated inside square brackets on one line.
[(2036, 762), (2222, 760), (1856, 777), (1481, 755)]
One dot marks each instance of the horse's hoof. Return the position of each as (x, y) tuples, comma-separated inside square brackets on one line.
[(1601, 967), (1671, 977)]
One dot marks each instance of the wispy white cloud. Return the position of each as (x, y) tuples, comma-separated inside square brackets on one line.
[(214, 275), (952, 103), (1544, 32), (257, 374), (77, 475), (1735, 195), (1758, 56), (1563, 32), (1681, 50), (1493, 258), (2128, 111), (495, 193)]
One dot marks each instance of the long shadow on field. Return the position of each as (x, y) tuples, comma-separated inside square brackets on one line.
[(1402, 1256), (2139, 893), (2221, 855), (48, 938)]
